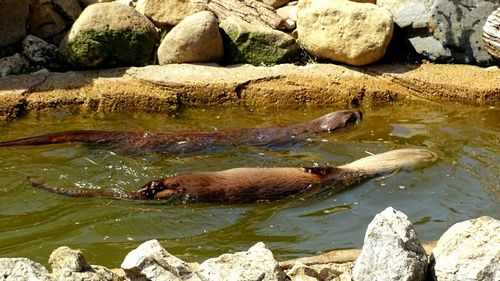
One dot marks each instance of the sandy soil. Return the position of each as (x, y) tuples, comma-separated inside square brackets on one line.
[(164, 88)]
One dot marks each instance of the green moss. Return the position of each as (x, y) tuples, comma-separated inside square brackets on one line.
[(257, 47), (109, 48)]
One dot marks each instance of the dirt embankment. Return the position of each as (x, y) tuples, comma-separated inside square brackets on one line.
[(163, 88)]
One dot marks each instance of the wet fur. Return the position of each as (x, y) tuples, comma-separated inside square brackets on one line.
[(190, 141), (242, 185)]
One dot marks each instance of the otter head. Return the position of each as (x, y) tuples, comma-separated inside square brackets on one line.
[(339, 119), (161, 189)]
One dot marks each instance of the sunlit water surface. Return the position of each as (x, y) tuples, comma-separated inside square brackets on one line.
[(463, 184)]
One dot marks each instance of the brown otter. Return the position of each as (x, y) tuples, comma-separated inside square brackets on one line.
[(241, 185), (189, 141)]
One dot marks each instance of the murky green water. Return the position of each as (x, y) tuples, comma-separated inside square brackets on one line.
[(464, 184)]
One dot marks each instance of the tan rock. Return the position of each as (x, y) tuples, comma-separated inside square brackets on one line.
[(344, 31), (165, 13), (85, 3), (13, 25), (491, 34), (275, 3), (194, 39)]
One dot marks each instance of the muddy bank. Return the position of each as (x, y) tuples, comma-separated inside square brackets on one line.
[(164, 88)]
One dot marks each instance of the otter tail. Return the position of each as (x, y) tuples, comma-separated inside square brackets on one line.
[(393, 160), (76, 192), (67, 136)]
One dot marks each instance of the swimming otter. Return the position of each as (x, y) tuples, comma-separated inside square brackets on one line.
[(190, 141), (244, 185)]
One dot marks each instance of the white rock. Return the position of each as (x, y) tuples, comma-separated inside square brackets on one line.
[(194, 39), (491, 34), (344, 31), (391, 250), (468, 250), (257, 263), (22, 269), (152, 261)]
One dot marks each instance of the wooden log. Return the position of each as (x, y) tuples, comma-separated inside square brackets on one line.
[(249, 10), (491, 34)]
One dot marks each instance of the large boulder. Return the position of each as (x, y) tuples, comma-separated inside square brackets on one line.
[(444, 30), (20, 269), (195, 39), (109, 34), (468, 250), (491, 34), (150, 261), (257, 263), (344, 31), (255, 44), (13, 19), (391, 250), (165, 13)]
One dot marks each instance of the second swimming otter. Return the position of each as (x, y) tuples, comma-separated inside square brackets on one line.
[(191, 141)]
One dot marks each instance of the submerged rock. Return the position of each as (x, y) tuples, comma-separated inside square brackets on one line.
[(391, 250), (21, 269), (256, 44), (344, 31), (109, 34), (257, 263), (468, 250), (150, 260), (195, 39)]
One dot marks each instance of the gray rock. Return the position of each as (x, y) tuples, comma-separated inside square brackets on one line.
[(468, 250), (256, 44), (13, 19), (194, 39), (257, 263), (391, 250), (109, 34), (15, 64), (39, 52), (164, 13), (150, 260), (22, 269), (344, 31), (452, 29), (491, 34)]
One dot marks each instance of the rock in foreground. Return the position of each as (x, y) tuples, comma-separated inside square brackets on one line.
[(468, 250), (391, 250), (257, 263)]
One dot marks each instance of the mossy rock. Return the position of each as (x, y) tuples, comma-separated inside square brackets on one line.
[(254, 44), (109, 34)]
